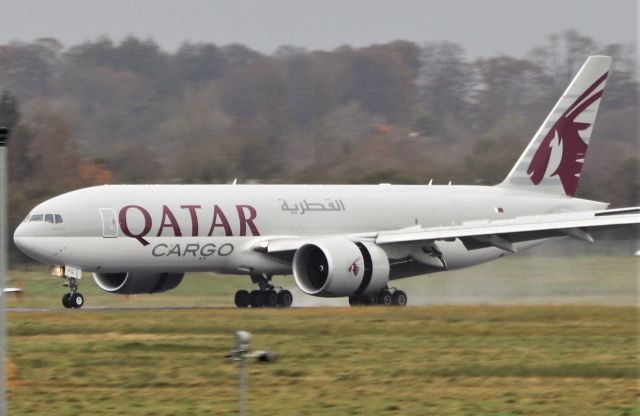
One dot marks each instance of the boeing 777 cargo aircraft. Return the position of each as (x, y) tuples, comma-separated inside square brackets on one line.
[(337, 241)]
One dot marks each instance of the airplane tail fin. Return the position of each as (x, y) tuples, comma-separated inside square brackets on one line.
[(553, 160)]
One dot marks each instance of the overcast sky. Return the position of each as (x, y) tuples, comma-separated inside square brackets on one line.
[(484, 28)]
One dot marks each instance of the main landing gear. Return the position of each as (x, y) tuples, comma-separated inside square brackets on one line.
[(73, 299), (386, 297), (268, 295)]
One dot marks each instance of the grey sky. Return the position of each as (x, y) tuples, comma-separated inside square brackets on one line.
[(484, 28)]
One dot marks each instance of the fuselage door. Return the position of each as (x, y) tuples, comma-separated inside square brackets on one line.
[(109, 224)]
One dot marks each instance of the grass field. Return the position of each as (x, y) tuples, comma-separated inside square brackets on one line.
[(506, 338), (578, 360)]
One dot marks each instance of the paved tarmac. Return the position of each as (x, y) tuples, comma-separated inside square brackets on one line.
[(117, 309)]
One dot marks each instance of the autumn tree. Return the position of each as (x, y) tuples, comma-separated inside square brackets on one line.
[(445, 79)]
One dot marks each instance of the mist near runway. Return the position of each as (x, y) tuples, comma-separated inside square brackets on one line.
[(562, 272)]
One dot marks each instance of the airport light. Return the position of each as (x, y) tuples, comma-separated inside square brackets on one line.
[(4, 183), (240, 354)]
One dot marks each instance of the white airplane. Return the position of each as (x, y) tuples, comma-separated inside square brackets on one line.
[(337, 241), (17, 291), (12, 290)]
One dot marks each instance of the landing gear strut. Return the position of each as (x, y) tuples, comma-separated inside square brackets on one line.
[(73, 299), (386, 297), (268, 295)]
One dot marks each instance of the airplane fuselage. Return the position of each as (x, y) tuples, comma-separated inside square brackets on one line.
[(183, 228)]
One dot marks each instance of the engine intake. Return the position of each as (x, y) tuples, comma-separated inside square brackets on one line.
[(137, 282), (335, 267)]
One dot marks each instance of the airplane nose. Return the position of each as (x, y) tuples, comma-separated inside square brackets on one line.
[(19, 232), (25, 243)]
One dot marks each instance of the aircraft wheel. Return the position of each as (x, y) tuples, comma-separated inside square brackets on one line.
[(270, 298), (257, 299), (356, 300), (385, 298), (285, 298), (370, 300), (77, 300), (242, 299), (399, 298), (66, 300)]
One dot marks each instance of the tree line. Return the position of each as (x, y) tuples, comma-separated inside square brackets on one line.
[(130, 112)]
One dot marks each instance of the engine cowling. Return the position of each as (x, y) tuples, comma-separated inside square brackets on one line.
[(137, 282), (335, 267)]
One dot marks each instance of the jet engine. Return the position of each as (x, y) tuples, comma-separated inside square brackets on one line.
[(334, 267), (137, 282)]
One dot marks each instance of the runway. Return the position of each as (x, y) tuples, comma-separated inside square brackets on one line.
[(117, 308)]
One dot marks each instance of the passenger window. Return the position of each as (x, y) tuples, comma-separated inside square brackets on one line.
[(48, 218), (58, 219), (36, 217)]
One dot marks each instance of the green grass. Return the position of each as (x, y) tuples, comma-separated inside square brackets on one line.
[(524, 335), (412, 361)]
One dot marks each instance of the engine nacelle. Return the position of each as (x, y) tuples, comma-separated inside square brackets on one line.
[(334, 267), (137, 282)]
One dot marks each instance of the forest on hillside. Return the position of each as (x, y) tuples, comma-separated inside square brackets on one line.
[(130, 112)]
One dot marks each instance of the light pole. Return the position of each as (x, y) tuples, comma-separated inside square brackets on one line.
[(240, 354), (4, 192)]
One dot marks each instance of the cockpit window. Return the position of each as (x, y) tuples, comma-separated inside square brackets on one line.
[(50, 218)]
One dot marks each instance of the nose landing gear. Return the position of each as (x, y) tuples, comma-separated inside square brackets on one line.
[(73, 299), (72, 276), (268, 295)]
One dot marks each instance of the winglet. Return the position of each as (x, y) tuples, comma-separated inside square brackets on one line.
[(553, 160)]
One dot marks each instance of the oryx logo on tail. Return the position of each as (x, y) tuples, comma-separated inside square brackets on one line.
[(552, 162), (562, 151)]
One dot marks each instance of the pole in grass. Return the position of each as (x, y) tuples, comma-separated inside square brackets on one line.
[(240, 354), (4, 181)]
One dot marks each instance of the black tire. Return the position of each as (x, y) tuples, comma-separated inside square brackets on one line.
[(270, 299), (257, 299), (385, 298), (66, 300), (77, 300), (285, 298), (356, 300), (371, 300), (399, 298), (242, 299)]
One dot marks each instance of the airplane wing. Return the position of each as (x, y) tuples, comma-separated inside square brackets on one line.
[(502, 233), (486, 233)]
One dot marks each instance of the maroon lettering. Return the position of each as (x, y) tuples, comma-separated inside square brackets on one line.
[(173, 224), (124, 226), (247, 221), (194, 218), (217, 212)]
